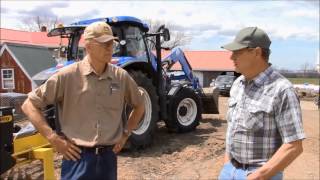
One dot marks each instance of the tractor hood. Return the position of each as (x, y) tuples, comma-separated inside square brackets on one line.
[(42, 76)]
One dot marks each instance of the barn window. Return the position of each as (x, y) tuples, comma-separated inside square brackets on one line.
[(7, 77)]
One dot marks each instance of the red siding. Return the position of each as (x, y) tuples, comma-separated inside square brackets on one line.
[(22, 82)]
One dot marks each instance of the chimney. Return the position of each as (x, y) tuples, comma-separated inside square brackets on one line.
[(43, 29)]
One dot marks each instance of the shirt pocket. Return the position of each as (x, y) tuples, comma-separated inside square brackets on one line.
[(115, 99), (254, 118)]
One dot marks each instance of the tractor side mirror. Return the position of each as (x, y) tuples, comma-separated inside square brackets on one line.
[(166, 34)]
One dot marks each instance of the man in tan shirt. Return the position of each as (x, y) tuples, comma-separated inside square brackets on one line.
[(90, 95)]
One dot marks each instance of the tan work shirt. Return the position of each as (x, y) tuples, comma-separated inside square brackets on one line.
[(89, 106)]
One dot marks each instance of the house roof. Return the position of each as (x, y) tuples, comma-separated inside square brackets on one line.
[(32, 59), (207, 60), (32, 38)]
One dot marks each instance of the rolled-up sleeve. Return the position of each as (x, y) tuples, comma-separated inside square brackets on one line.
[(48, 93), (290, 118), (133, 96)]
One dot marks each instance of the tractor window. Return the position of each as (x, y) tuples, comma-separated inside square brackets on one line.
[(117, 49), (130, 43), (134, 42), (81, 53)]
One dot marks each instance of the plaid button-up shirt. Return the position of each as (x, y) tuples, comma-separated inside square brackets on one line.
[(263, 114)]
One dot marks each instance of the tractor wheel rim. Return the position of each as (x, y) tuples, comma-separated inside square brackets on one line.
[(191, 114), (146, 120)]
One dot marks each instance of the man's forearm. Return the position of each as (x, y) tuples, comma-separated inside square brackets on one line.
[(37, 119), (281, 159), (135, 117), (68, 149)]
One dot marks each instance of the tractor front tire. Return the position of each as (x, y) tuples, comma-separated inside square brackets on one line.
[(184, 111)]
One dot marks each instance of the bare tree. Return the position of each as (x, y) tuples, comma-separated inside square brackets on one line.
[(177, 38), (37, 23), (305, 67)]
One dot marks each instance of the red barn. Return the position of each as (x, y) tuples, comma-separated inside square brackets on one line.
[(19, 62)]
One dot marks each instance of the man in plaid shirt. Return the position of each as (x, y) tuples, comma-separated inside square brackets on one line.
[(265, 129)]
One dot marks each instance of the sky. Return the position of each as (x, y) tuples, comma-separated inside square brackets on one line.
[(292, 25)]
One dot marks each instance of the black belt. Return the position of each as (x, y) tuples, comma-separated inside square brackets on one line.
[(96, 149), (237, 164)]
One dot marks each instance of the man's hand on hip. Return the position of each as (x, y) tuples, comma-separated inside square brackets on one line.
[(119, 145), (65, 146), (255, 176)]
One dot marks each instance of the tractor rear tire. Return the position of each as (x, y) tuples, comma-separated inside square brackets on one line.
[(143, 135), (184, 111)]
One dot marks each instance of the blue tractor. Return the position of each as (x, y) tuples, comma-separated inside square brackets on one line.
[(178, 100)]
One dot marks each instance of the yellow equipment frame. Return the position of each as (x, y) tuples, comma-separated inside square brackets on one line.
[(33, 147)]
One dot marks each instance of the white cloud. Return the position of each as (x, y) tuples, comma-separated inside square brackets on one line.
[(295, 32), (302, 13)]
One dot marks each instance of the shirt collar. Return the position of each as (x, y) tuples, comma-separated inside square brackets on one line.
[(108, 73), (260, 78), (87, 69), (263, 76)]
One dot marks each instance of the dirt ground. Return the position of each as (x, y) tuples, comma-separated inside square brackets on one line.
[(199, 154), (306, 166)]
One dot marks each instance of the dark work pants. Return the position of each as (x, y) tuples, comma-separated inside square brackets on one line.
[(91, 166)]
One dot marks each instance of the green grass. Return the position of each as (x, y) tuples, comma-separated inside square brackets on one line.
[(304, 80)]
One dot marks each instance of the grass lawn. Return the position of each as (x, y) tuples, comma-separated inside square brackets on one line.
[(304, 80)]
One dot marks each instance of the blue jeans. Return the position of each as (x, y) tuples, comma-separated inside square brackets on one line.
[(91, 166), (229, 172)]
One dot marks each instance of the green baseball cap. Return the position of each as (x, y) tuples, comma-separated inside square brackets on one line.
[(249, 37)]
